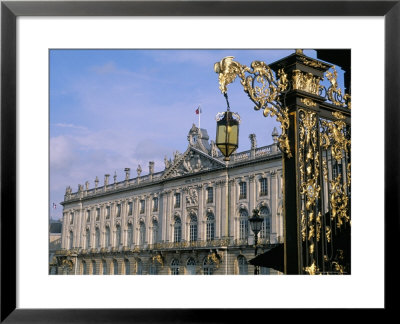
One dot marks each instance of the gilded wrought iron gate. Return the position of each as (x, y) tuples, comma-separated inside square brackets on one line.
[(314, 114)]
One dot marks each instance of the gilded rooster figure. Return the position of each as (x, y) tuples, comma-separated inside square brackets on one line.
[(227, 70)]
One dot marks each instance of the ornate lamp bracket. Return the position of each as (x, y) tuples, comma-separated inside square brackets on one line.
[(264, 89)]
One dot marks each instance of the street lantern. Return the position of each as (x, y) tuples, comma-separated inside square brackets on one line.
[(255, 224), (227, 139)]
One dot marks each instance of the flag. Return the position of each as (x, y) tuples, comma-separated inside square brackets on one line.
[(54, 206), (198, 111)]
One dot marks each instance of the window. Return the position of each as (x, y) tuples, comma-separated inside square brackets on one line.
[(193, 228), (97, 214), (139, 267), (115, 267), (118, 211), (155, 230), (142, 206), (87, 238), (153, 269), (142, 232), (210, 227), (175, 267), (104, 265), (94, 270), (208, 266), (191, 266), (155, 204), (84, 268), (266, 225), (210, 195), (118, 236), (71, 239), (127, 267), (107, 237), (263, 187), (88, 216), (177, 230), (243, 224), (71, 218), (108, 212), (130, 234), (177, 200), (264, 271), (242, 265), (242, 190), (130, 209), (97, 237)]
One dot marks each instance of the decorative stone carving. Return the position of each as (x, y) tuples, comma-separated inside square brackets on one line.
[(167, 162), (214, 149), (192, 162), (192, 198), (139, 170), (253, 141)]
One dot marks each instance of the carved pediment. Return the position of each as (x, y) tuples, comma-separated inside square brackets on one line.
[(191, 162)]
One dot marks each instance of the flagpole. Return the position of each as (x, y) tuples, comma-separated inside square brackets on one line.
[(199, 115)]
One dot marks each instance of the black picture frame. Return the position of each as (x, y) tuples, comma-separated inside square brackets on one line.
[(10, 10)]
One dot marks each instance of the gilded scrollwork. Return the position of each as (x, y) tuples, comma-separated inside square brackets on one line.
[(312, 269), (308, 102), (334, 93), (262, 88), (339, 202), (335, 136), (313, 63)]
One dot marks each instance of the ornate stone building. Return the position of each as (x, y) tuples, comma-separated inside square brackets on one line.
[(191, 218)]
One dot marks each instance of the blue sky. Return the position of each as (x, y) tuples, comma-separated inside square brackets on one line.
[(113, 109)]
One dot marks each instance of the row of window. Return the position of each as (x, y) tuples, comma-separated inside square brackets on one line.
[(177, 235), (177, 202), (243, 188), (208, 267)]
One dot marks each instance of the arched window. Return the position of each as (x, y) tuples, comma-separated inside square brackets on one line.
[(94, 270), (108, 236), (210, 227), (87, 238), (84, 268), (118, 236), (242, 265), (208, 266), (193, 228), (191, 266), (155, 230), (175, 267), (266, 225), (243, 224), (130, 234), (177, 230), (71, 239), (127, 267), (142, 232), (139, 269), (115, 267), (104, 265), (97, 238)]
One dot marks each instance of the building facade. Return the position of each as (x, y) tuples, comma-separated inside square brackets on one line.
[(190, 218)]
